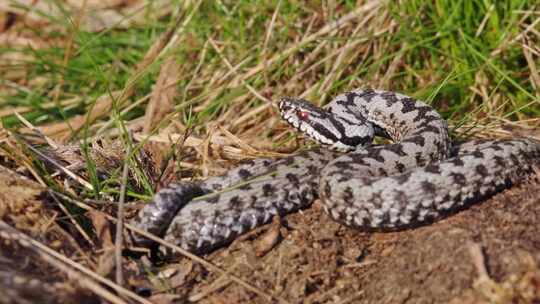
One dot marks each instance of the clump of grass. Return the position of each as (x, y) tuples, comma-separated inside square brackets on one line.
[(478, 48), (460, 54)]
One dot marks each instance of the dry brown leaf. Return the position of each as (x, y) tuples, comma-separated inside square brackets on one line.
[(164, 298), (106, 262), (180, 278), (102, 228), (101, 4), (162, 100), (270, 238)]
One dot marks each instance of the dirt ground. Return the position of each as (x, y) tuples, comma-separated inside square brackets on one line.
[(486, 254), (320, 261)]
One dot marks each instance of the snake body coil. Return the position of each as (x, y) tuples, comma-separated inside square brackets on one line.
[(417, 179)]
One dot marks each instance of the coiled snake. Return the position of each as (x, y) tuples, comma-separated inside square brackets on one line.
[(415, 180)]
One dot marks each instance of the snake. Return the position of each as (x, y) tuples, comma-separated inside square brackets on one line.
[(416, 178)]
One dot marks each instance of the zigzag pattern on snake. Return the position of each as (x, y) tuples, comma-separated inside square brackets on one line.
[(417, 179)]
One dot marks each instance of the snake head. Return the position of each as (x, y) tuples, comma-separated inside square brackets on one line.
[(323, 126)]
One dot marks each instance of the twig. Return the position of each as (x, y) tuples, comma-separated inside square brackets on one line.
[(268, 297), (73, 221), (270, 28), (62, 262), (475, 250), (229, 65), (30, 126), (120, 216)]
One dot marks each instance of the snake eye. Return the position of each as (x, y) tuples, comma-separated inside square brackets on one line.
[(302, 115)]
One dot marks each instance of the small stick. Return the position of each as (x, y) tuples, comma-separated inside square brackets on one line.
[(63, 263), (268, 297), (120, 216)]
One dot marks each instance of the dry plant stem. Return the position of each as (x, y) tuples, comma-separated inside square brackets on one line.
[(120, 218), (278, 280), (70, 239), (47, 105), (24, 162), (111, 121), (32, 128), (229, 65), (268, 297), (162, 101), (535, 77), (179, 28), (531, 48), (237, 141), (270, 29), (69, 48), (484, 21), (197, 143), (74, 222), (269, 32), (475, 250), (196, 70), (220, 80), (504, 46), (351, 43), (64, 264), (331, 26), (249, 114)]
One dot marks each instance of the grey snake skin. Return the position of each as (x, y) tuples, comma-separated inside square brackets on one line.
[(415, 180)]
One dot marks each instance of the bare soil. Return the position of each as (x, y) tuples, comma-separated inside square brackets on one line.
[(320, 261)]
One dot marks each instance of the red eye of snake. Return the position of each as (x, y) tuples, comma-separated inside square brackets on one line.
[(302, 115)]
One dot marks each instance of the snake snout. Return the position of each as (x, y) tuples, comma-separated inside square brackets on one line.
[(286, 105), (287, 110)]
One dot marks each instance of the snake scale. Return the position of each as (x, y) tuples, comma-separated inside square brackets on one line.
[(418, 178)]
